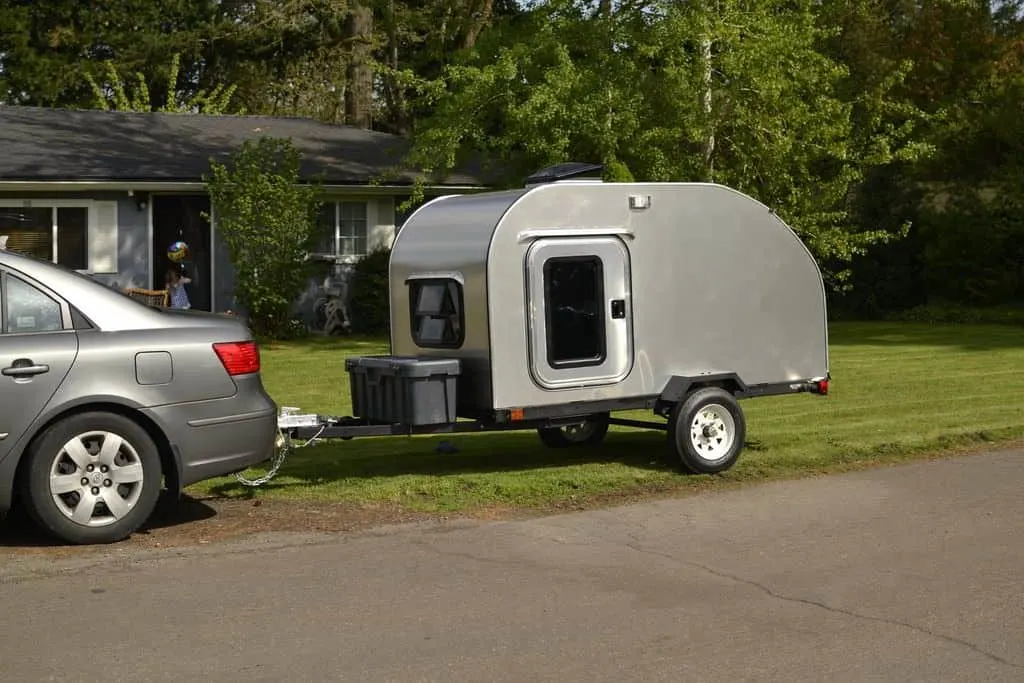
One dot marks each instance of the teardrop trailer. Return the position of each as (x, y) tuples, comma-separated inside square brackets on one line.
[(553, 306)]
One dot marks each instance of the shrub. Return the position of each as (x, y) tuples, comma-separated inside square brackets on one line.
[(952, 313), (267, 218), (369, 301)]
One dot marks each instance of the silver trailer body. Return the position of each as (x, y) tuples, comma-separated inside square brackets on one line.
[(578, 292)]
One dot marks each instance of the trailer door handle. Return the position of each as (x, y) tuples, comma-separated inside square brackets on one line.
[(618, 308), (23, 367)]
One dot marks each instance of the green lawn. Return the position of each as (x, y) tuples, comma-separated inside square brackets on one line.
[(899, 391)]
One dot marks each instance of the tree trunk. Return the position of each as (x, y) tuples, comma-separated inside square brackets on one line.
[(359, 88), (709, 138), (478, 21), (394, 92)]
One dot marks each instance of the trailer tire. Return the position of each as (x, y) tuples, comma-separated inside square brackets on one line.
[(590, 432), (706, 429)]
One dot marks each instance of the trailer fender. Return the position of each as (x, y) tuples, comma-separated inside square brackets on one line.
[(678, 387)]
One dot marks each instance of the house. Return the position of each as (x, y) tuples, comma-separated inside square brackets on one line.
[(106, 192)]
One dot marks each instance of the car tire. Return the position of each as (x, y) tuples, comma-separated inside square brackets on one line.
[(589, 432), (706, 430), (113, 459)]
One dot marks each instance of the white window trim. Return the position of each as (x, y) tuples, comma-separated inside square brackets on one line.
[(371, 217), (90, 205)]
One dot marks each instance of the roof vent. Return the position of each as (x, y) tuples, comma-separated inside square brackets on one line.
[(566, 171)]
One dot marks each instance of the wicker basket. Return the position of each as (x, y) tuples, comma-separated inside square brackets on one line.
[(153, 297)]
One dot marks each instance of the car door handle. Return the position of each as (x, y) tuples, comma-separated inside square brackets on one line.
[(24, 368)]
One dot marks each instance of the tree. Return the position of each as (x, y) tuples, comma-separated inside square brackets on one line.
[(733, 91), (113, 94), (47, 46), (267, 218)]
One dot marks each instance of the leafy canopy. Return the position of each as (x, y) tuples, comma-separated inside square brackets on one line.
[(734, 91)]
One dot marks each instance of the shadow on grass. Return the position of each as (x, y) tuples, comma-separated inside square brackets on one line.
[(968, 337), (17, 530), (492, 453)]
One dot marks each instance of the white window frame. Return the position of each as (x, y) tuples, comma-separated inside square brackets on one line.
[(92, 237), (368, 207)]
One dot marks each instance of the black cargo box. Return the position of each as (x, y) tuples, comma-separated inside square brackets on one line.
[(403, 390)]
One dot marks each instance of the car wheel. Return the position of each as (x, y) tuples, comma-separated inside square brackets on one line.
[(707, 430), (93, 478), (590, 432)]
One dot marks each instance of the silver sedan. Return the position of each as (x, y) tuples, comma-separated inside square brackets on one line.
[(105, 400)]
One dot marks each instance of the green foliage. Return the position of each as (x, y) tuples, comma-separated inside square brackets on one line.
[(48, 46), (617, 172), (112, 95), (294, 330), (830, 112), (737, 93), (368, 301), (975, 245), (267, 219)]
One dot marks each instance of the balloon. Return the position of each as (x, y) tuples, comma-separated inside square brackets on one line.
[(177, 252)]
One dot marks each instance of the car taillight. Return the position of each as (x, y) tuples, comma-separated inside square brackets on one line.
[(238, 358)]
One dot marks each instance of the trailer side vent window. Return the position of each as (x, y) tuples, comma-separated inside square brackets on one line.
[(574, 292), (437, 317)]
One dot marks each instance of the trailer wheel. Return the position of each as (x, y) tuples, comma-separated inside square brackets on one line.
[(590, 432), (707, 429)]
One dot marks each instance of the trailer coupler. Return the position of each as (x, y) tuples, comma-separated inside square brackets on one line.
[(289, 421)]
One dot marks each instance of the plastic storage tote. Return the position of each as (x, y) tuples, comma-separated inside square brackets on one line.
[(403, 390)]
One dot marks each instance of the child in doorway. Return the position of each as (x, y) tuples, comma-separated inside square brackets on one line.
[(176, 282)]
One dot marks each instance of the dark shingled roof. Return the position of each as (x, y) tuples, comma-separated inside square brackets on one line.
[(38, 144)]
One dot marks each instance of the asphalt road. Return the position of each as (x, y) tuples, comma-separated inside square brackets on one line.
[(913, 573)]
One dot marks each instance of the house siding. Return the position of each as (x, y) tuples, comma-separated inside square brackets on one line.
[(134, 249), (133, 254)]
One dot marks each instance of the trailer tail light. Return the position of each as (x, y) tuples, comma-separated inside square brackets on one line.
[(822, 387), (238, 358)]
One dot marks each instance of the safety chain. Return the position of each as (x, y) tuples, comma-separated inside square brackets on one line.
[(283, 446)]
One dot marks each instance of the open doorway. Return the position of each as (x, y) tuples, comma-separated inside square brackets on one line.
[(180, 217)]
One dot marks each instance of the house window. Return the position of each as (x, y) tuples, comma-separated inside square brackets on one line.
[(574, 295), (52, 233), (437, 313), (343, 229)]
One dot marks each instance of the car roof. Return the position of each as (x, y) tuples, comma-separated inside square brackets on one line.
[(106, 307)]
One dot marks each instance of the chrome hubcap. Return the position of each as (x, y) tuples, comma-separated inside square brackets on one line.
[(96, 479)]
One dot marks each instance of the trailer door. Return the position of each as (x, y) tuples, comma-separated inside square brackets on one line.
[(579, 311)]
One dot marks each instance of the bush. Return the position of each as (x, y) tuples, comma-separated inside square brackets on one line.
[(975, 247), (369, 301), (952, 313), (266, 217)]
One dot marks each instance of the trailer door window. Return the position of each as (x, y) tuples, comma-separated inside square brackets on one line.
[(437, 316), (573, 293)]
